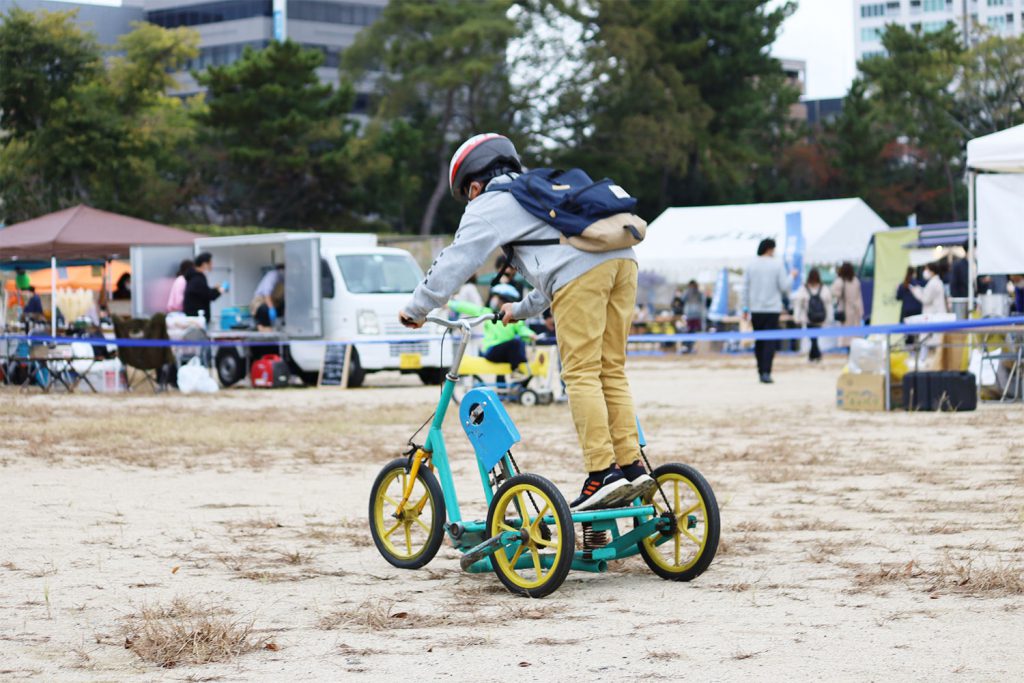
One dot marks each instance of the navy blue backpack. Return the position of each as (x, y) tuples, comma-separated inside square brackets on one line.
[(592, 216)]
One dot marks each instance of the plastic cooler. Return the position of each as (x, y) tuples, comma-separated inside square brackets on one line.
[(235, 317)]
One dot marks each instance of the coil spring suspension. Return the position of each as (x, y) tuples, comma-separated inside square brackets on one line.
[(594, 539)]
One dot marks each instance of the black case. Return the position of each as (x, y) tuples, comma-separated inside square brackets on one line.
[(940, 391), (282, 374)]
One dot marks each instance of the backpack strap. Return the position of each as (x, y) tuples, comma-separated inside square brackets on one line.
[(508, 250)]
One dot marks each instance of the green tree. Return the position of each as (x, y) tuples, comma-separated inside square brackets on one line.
[(679, 98), (43, 58), (990, 92), (276, 140), (441, 67), (106, 136), (912, 91)]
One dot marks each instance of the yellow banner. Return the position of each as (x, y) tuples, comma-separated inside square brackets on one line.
[(891, 261)]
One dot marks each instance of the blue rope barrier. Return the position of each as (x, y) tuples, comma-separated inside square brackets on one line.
[(766, 335)]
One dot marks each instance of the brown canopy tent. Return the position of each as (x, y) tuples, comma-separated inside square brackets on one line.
[(82, 232)]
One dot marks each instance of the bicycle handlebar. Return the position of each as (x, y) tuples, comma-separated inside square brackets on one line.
[(462, 323)]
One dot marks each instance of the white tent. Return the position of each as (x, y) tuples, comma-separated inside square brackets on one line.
[(696, 242), (1001, 152), (996, 215)]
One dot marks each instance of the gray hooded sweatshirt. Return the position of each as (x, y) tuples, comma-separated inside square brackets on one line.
[(492, 220)]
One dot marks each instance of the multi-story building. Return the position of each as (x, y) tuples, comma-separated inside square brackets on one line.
[(871, 16), (227, 27), (107, 22)]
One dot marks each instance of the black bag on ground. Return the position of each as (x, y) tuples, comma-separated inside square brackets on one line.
[(940, 391)]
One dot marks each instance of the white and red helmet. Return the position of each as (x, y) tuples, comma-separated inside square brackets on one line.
[(476, 155)]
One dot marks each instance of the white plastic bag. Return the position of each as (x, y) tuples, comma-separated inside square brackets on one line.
[(867, 356), (193, 378)]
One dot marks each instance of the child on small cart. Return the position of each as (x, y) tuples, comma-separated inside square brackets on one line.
[(502, 343)]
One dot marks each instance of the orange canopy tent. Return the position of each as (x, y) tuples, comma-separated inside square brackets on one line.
[(82, 232)]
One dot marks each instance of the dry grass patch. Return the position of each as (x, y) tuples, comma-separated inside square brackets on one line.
[(186, 632), (956, 575), (378, 614)]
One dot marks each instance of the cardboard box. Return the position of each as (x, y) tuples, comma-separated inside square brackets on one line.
[(860, 392), (954, 352)]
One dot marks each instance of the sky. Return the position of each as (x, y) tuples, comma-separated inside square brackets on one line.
[(820, 32)]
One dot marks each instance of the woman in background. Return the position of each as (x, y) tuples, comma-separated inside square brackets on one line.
[(176, 299), (933, 294), (909, 305), (123, 291), (849, 302), (812, 308)]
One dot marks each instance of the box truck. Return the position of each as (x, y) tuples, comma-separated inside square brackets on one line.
[(337, 287)]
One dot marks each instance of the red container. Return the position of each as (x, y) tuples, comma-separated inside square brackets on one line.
[(269, 371)]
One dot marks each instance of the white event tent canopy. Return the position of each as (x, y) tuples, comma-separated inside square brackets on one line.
[(697, 242), (996, 216)]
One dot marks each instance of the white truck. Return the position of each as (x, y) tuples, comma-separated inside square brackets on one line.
[(338, 287)]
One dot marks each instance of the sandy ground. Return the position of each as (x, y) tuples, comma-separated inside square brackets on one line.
[(858, 546)]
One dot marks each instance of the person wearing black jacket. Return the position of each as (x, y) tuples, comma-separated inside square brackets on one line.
[(959, 275), (198, 292)]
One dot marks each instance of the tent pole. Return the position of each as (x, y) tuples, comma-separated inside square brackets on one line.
[(53, 296), (972, 268)]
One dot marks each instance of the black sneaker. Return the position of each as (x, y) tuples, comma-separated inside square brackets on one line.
[(641, 484), (600, 489)]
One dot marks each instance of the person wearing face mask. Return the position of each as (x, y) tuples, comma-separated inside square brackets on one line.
[(933, 295)]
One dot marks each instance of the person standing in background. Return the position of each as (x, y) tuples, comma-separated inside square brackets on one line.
[(909, 305), (932, 295), (765, 282), (959, 275), (849, 301), (812, 308), (176, 298), (123, 290), (198, 292), (470, 293)]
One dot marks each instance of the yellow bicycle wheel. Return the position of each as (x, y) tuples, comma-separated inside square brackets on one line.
[(683, 552), (533, 507), (408, 539)]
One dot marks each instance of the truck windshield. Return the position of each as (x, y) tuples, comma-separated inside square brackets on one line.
[(379, 273)]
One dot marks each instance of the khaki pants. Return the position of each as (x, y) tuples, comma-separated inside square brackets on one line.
[(592, 318)]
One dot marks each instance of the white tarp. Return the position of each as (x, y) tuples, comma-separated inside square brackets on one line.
[(696, 242), (1002, 152), (1000, 224)]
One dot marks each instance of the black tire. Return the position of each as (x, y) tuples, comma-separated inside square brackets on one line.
[(713, 523), (564, 524), (356, 374), (310, 379), (437, 516), (230, 367), (432, 377)]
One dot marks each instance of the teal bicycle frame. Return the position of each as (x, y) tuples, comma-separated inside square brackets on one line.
[(470, 536)]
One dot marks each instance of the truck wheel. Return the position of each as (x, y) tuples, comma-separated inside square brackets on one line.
[(356, 374), (230, 368), (432, 376)]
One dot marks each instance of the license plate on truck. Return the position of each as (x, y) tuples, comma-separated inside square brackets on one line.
[(410, 361)]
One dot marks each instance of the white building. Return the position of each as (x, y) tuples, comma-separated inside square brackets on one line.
[(871, 16), (227, 27)]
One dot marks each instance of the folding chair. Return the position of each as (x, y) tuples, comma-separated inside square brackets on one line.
[(143, 363)]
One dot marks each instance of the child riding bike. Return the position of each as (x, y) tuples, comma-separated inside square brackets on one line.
[(502, 343), (591, 295)]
